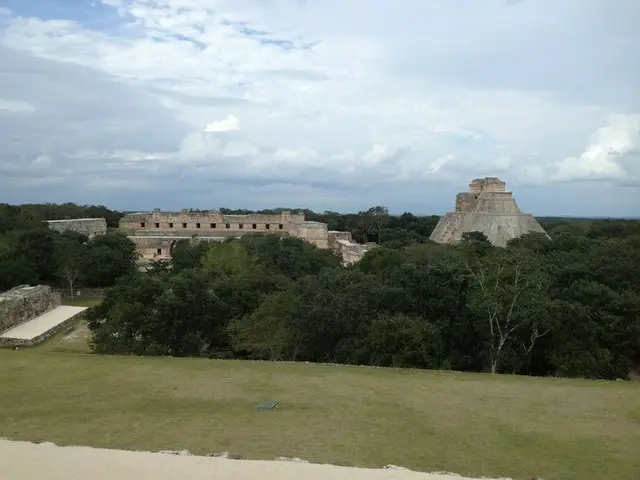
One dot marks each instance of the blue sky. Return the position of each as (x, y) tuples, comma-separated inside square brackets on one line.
[(324, 104)]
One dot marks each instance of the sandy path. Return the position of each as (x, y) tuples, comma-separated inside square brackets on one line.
[(43, 323), (29, 461)]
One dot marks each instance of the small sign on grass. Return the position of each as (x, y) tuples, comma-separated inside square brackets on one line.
[(268, 405)]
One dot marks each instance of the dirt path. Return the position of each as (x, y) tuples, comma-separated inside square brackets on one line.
[(29, 461)]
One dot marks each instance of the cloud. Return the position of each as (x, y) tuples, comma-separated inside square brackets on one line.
[(228, 124), (15, 107), (42, 161), (353, 101), (611, 155), (600, 160)]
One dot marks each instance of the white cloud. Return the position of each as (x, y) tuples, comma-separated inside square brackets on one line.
[(13, 106), (378, 153), (228, 124), (331, 92), (609, 156), (600, 160), (42, 161)]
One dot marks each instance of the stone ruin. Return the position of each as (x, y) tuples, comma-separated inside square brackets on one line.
[(30, 314), (155, 233), (91, 227), (487, 208), (24, 302)]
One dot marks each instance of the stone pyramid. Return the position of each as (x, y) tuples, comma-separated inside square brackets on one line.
[(488, 208)]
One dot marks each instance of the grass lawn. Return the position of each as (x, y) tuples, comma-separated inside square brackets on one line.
[(465, 423), (89, 302)]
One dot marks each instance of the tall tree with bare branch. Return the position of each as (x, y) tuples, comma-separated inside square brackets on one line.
[(508, 292), (379, 217), (71, 258)]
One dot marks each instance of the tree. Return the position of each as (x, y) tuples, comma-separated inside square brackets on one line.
[(378, 217), (38, 247), (477, 242), (184, 319), (157, 314), (71, 257), (333, 312), (124, 320), (227, 259), (290, 256), (109, 257), (187, 254), (508, 290), (396, 340), (534, 241), (16, 271), (265, 332)]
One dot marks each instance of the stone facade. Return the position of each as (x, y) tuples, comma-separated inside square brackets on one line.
[(22, 303), (156, 233), (91, 227), (487, 184), (208, 223), (316, 233), (488, 208), (352, 252), (335, 235)]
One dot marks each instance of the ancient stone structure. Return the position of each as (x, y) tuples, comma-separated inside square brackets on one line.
[(25, 302), (488, 208), (31, 314), (91, 227), (156, 233), (342, 242)]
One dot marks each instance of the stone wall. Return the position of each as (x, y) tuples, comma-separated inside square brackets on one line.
[(315, 233), (61, 327), (25, 302), (335, 235), (91, 227), (496, 203), (161, 246), (487, 184), (207, 223), (80, 293), (465, 202), (351, 252)]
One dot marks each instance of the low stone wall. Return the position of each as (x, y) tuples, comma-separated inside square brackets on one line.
[(61, 327), (25, 302), (80, 293)]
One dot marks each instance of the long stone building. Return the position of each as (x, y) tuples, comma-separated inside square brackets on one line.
[(156, 233), (91, 227), (488, 208)]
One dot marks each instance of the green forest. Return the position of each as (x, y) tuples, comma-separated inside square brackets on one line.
[(30, 253), (567, 307)]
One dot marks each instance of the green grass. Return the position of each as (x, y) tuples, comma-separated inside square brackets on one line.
[(466, 423), (90, 302)]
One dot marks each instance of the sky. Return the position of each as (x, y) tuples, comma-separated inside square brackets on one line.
[(324, 104)]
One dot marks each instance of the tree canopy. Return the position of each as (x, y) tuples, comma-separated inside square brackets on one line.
[(569, 305), (564, 307)]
